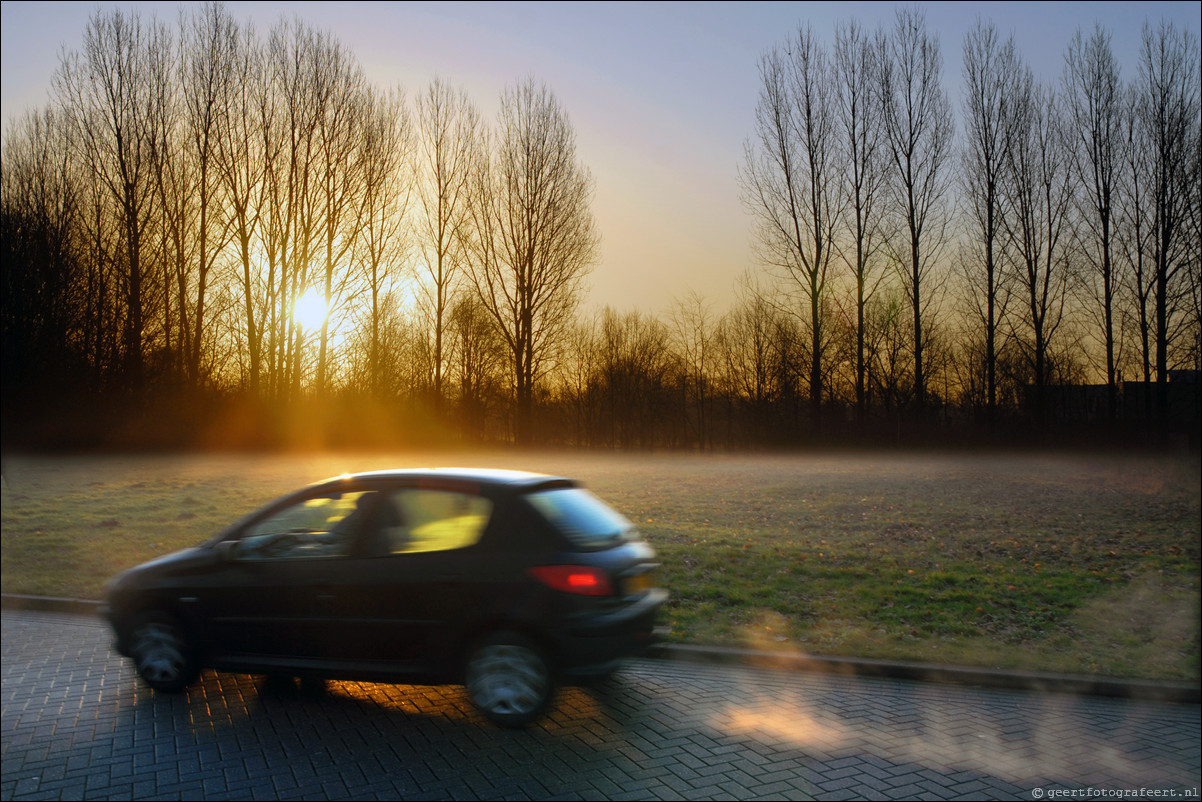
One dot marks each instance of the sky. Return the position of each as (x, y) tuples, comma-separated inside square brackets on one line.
[(662, 95)]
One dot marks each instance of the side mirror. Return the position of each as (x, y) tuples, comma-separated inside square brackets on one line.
[(227, 550)]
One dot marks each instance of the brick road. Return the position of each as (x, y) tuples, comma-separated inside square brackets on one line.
[(76, 724)]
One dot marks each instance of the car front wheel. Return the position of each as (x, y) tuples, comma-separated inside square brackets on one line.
[(162, 655), (508, 680)]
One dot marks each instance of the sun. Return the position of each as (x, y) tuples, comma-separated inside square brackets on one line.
[(310, 310)]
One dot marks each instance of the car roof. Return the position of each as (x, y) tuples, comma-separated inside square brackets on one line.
[(517, 481)]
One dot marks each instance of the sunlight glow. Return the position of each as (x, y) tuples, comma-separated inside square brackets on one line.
[(310, 310)]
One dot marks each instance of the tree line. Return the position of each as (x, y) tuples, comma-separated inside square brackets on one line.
[(188, 186), (1067, 212)]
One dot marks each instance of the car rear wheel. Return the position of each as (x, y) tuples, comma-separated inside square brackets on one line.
[(162, 654), (508, 680)]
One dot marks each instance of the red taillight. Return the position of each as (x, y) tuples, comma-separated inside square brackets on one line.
[(583, 580)]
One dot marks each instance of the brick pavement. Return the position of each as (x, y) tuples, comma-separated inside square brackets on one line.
[(76, 724)]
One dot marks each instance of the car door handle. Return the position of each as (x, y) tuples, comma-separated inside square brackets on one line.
[(323, 591)]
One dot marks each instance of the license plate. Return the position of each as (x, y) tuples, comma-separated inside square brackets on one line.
[(640, 582)]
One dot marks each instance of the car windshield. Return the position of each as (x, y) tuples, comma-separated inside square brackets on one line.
[(583, 519)]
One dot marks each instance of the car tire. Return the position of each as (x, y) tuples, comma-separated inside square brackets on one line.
[(508, 680), (162, 653)]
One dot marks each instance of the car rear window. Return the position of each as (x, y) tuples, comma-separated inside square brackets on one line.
[(586, 521)]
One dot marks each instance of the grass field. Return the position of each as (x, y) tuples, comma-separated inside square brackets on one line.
[(1080, 563)]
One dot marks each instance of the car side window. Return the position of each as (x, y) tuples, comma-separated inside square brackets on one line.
[(322, 526), (423, 520)]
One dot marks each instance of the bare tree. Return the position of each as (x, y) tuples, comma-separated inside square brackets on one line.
[(535, 235), (890, 381), (382, 238), (42, 272), (919, 129), (450, 134), (577, 373), (1193, 241), (694, 332), (242, 149), (857, 77), (789, 182), (100, 246), (170, 239), (107, 93), (753, 350), (1133, 232), (291, 219), (478, 355), (1169, 89), (189, 185), (633, 367), (990, 69), (1093, 95), (1039, 202), (340, 91)]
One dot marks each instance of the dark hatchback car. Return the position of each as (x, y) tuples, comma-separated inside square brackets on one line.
[(500, 580)]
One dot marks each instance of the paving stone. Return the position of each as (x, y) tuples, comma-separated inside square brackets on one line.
[(77, 724)]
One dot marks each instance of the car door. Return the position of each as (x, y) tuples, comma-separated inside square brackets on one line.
[(421, 583), (280, 598)]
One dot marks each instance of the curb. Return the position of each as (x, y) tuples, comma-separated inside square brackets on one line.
[(1136, 689), (49, 604), (1081, 685)]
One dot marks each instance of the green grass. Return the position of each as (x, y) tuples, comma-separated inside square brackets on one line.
[(1048, 562)]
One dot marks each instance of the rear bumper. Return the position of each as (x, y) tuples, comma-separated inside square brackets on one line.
[(590, 645)]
